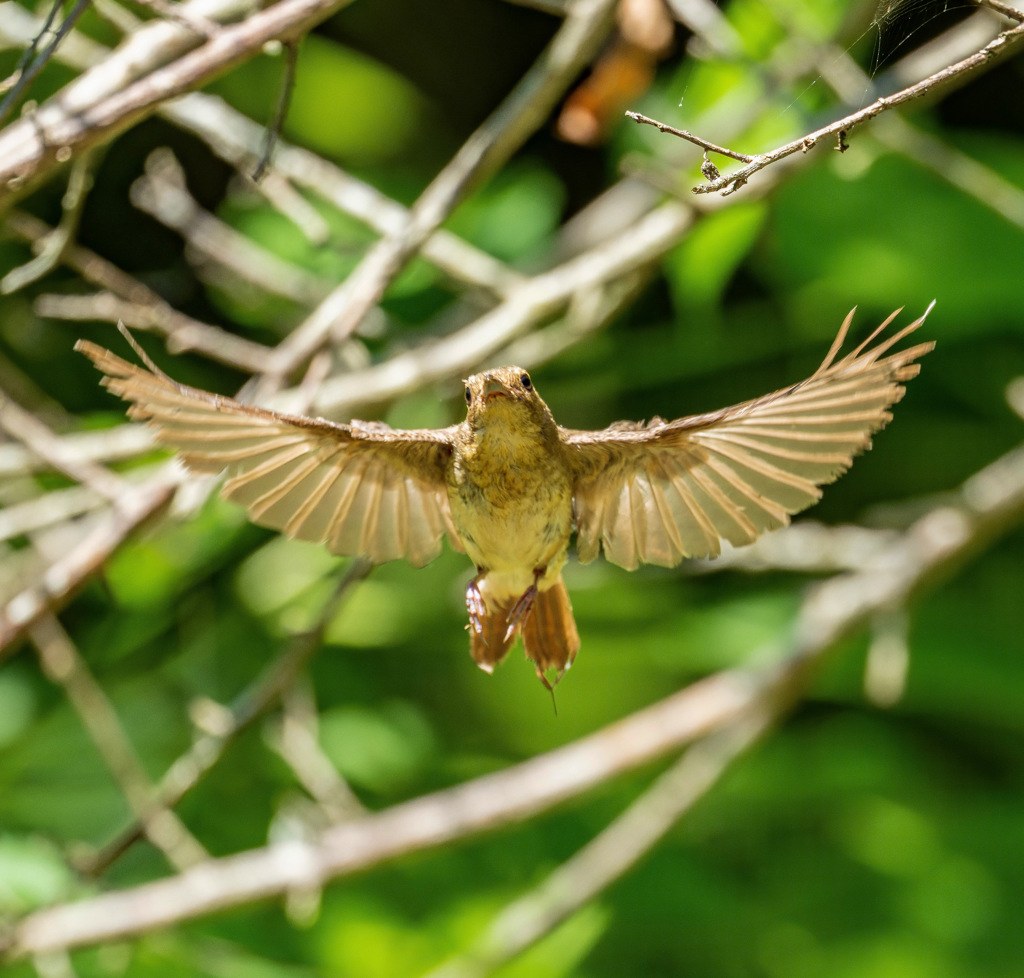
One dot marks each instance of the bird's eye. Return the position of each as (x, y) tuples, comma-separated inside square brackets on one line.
[(469, 396), (526, 382)]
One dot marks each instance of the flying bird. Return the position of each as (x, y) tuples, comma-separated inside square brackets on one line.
[(509, 485)]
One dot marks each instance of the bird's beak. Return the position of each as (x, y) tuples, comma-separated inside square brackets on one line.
[(495, 388)]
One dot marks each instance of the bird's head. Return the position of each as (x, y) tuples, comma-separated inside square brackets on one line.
[(505, 395)]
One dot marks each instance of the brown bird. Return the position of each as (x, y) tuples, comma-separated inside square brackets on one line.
[(508, 484)]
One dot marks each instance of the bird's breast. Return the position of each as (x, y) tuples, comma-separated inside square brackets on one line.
[(512, 506)]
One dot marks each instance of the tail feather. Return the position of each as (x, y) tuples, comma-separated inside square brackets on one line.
[(550, 638), (490, 645)]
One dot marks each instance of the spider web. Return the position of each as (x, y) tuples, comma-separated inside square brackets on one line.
[(903, 25)]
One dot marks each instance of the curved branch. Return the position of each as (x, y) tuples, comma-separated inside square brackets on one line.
[(60, 129)]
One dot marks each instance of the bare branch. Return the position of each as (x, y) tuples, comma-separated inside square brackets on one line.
[(730, 183), (162, 192), (192, 766), (543, 296), (113, 444), (51, 249), (63, 664), (295, 740), (30, 148), (141, 307), (67, 573), (54, 506), (609, 855), (27, 428), (238, 139), (584, 28)]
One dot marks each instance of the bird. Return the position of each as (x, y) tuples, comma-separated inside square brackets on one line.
[(509, 486)]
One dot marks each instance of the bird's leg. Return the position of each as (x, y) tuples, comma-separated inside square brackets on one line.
[(475, 602), (524, 605)]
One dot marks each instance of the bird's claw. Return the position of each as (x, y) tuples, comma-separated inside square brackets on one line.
[(520, 610)]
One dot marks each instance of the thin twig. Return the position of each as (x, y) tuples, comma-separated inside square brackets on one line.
[(29, 72), (284, 99), (63, 664), (32, 47), (255, 700), (685, 134), (731, 182)]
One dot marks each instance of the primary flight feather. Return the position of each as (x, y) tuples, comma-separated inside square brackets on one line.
[(508, 485)]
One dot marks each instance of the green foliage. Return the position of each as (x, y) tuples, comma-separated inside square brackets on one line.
[(853, 843)]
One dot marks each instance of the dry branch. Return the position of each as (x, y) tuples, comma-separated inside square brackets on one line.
[(731, 182), (585, 27), (66, 574), (61, 128)]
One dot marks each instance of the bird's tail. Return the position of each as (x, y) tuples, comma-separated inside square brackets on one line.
[(550, 639)]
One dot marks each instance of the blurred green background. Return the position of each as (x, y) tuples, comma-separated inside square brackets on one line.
[(855, 842)]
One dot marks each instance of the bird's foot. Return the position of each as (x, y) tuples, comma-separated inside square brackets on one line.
[(523, 606)]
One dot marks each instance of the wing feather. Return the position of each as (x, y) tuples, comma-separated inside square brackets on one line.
[(363, 489), (668, 490)]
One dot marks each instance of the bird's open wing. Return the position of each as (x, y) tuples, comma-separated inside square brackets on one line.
[(363, 489), (660, 492)]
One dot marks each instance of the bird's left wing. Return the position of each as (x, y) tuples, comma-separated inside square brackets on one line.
[(363, 489), (660, 492)]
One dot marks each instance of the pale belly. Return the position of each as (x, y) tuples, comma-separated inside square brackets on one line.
[(513, 525)]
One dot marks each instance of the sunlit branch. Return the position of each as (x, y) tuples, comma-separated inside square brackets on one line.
[(36, 436), (66, 574), (609, 855), (731, 182), (238, 139), (162, 193), (586, 25), (139, 306), (60, 129)]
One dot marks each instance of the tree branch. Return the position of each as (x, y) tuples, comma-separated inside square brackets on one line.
[(586, 25), (731, 182), (32, 147)]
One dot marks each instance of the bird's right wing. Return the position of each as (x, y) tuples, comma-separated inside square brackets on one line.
[(660, 492), (363, 489)]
